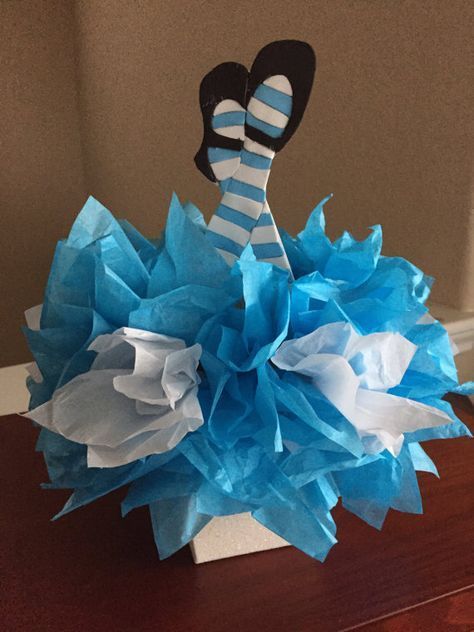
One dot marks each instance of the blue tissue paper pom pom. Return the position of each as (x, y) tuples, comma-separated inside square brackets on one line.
[(272, 443)]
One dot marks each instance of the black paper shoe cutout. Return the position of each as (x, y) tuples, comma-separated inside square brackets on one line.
[(222, 97), (278, 90)]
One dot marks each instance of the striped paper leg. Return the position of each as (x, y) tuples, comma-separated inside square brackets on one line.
[(266, 241), (269, 108), (243, 214), (242, 202), (228, 120)]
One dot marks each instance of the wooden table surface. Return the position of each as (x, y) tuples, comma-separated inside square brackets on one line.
[(93, 570)]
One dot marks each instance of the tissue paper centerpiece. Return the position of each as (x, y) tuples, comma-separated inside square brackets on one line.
[(232, 368)]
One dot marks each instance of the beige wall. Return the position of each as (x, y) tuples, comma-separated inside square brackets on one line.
[(41, 174), (388, 129)]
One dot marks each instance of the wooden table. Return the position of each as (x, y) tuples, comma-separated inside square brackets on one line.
[(93, 570)]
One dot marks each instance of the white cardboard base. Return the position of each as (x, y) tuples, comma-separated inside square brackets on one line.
[(228, 536)]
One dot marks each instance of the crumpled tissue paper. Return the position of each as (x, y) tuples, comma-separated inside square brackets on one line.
[(259, 425)]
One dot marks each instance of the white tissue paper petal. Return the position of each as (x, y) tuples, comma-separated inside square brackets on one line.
[(353, 372), (139, 398), (143, 445), (385, 358)]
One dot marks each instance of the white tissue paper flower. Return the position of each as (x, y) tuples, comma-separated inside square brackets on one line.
[(139, 398), (354, 372)]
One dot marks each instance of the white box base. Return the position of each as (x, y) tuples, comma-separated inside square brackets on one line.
[(227, 536)]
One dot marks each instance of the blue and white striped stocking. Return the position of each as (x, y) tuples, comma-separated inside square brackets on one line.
[(243, 214)]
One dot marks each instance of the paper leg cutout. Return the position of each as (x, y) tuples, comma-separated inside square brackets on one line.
[(281, 70), (275, 103), (222, 97), (244, 210), (266, 241), (270, 106)]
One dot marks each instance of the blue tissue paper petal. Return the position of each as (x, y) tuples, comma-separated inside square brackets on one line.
[(243, 339)]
